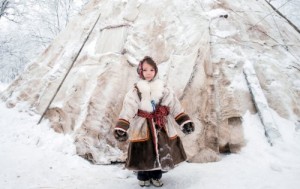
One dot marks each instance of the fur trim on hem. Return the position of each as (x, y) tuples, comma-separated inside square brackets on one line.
[(154, 169)]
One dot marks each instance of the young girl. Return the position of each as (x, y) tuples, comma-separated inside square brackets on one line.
[(147, 117)]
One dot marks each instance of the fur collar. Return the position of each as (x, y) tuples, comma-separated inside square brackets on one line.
[(152, 90)]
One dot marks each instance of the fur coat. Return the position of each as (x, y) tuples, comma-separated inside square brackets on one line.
[(152, 147)]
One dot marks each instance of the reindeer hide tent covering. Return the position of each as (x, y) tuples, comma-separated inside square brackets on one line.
[(202, 49)]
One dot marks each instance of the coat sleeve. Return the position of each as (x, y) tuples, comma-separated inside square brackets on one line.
[(176, 110), (129, 110)]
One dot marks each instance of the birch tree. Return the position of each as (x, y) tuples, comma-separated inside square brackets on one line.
[(27, 28)]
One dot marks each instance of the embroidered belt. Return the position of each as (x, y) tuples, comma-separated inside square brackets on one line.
[(158, 115)]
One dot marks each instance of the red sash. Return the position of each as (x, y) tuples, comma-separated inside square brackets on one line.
[(158, 115)]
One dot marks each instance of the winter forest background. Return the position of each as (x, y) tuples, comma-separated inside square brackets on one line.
[(27, 27), (35, 156)]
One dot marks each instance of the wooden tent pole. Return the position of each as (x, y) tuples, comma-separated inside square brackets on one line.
[(278, 12), (73, 62)]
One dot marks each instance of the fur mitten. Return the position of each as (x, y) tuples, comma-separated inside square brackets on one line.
[(188, 128), (120, 135)]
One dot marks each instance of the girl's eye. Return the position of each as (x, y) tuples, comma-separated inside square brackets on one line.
[(152, 70)]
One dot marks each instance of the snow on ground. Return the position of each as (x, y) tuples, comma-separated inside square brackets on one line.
[(34, 156)]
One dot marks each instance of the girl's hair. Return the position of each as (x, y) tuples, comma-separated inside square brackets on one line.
[(150, 61)]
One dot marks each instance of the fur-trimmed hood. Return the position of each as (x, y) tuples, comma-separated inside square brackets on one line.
[(152, 90)]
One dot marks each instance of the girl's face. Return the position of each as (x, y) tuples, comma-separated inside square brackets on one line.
[(148, 71)]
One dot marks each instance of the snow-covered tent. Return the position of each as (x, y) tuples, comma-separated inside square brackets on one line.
[(223, 58)]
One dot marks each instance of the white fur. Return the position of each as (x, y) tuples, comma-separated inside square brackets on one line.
[(152, 90), (181, 126)]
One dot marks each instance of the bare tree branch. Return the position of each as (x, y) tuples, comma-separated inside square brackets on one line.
[(4, 7), (34, 24), (278, 12)]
